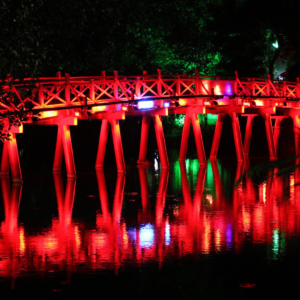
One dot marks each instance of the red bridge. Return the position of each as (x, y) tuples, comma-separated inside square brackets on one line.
[(62, 101)]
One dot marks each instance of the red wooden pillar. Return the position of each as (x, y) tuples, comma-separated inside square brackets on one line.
[(248, 134), (58, 151), (198, 139), (185, 137), (217, 136), (102, 144), (68, 150), (116, 134), (64, 146), (296, 121), (162, 150), (270, 138), (277, 132), (5, 159), (144, 140), (13, 158), (237, 137)]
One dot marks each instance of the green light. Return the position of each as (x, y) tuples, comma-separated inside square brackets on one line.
[(275, 45), (212, 119)]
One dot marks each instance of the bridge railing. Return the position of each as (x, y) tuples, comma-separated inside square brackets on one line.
[(52, 92)]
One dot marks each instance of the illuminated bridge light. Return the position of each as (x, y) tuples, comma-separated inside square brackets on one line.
[(218, 90), (228, 89), (167, 104), (182, 102), (49, 114), (145, 104), (259, 103), (99, 108)]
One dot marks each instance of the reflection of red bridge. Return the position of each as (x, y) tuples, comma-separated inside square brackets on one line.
[(202, 223), (62, 101)]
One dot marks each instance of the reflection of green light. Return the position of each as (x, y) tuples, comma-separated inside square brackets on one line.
[(209, 182), (275, 243), (278, 244), (275, 45)]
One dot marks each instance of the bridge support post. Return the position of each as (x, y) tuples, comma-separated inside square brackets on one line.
[(116, 134), (217, 136), (161, 144), (270, 138), (237, 137), (58, 152), (296, 120), (5, 159), (144, 140), (248, 134), (277, 132), (102, 144), (185, 137), (64, 146), (10, 157), (68, 151), (198, 139)]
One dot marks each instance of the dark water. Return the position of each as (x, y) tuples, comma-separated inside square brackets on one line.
[(186, 233)]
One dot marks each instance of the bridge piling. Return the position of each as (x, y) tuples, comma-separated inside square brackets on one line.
[(161, 144), (116, 134), (270, 137), (296, 121), (217, 136), (144, 140), (102, 144), (277, 132), (64, 146), (248, 133), (185, 138), (5, 159), (58, 152), (198, 139), (10, 157), (237, 137)]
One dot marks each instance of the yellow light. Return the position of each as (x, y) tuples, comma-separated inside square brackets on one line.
[(77, 114), (125, 108), (182, 102), (243, 109), (246, 103), (206, 103), (49, 114), (98, 108), (259, 102), (218, 90)]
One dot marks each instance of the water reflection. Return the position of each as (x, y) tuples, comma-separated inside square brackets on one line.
[(203, 216)]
